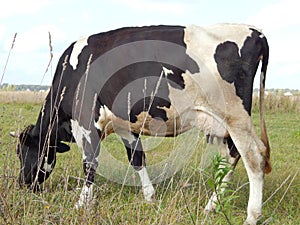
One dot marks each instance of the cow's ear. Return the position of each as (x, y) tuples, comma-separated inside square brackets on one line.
[(25, 139), (61, 147)]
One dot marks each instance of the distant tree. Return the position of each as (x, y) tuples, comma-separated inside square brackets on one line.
[(23, 87), (8, 87)]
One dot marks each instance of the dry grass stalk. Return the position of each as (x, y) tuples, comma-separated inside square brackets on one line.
[(29, 97), (12, 46)]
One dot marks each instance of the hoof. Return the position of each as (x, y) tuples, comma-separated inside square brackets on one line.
[(86, 197), (149, 193), (210, 207), (252, 219)]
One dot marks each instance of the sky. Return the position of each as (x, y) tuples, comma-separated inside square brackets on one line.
[(68, 20)]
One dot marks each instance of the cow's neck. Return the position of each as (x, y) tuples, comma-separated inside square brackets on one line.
[(47, 123)]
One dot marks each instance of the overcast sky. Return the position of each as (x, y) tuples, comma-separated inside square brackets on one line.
[(68, 20)]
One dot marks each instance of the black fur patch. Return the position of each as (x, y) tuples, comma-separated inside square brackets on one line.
[(239, 66)]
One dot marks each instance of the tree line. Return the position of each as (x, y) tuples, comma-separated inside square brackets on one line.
[(23, 87)]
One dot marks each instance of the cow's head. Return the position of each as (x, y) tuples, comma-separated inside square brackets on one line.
[(37, 159)]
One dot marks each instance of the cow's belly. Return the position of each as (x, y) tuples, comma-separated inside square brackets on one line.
[(146, 125)]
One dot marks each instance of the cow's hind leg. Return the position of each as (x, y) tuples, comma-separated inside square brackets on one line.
[(136, 157), (252, 152), (229, 153)]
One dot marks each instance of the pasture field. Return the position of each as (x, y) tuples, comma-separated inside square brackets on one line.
[(180, 199)]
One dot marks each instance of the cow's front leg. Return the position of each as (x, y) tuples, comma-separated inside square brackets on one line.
[(90, 145), (136, 157), (147, 187), (86, 195)]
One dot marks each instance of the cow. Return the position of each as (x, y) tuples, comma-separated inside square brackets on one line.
[(159, 81)]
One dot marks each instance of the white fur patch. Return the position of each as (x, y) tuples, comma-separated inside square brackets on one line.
[(202, 41), (79, 133), (97, 126), (167, 71), (255, 196), (47, 167), (105, 116), (77, 49), (211, 205), (86, 197), (106, 120), (126, 135), (147, 186)]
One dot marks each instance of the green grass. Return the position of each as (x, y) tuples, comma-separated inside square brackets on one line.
[(179, 199)]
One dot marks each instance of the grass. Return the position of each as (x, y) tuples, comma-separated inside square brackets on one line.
[(180, 199)]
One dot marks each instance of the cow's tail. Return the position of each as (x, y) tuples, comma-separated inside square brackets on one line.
[(264, 136)]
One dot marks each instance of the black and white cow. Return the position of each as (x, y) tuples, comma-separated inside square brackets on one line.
[(159, 81)]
